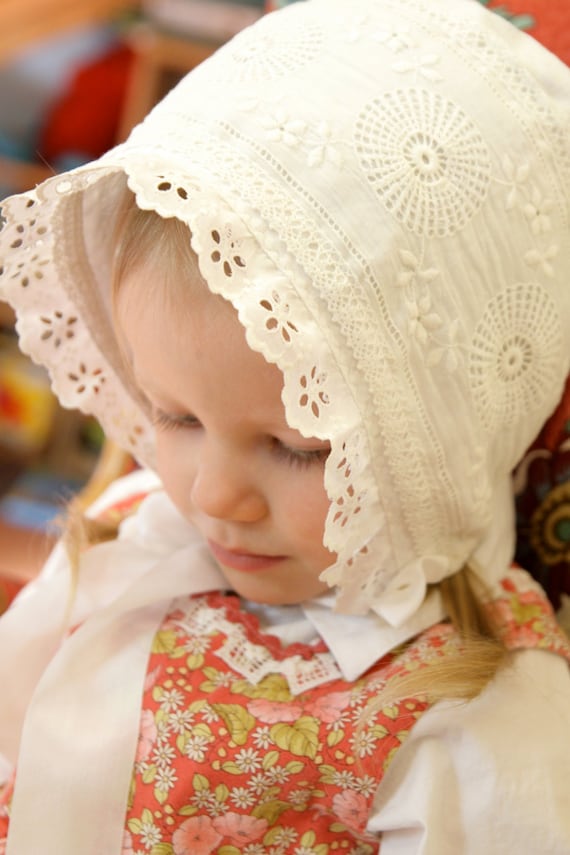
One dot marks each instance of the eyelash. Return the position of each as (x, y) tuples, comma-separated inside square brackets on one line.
[(162, 421), (301, 458)]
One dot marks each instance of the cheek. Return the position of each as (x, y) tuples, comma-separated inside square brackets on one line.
[(307, 507), (175, 466)]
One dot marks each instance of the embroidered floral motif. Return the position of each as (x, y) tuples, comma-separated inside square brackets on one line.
[(537, 211), (412, 272), (27, 259), (421, 65), (434, 169), (346, 506), (423, 321), (542, 258), (58, 327), (86, 379), (226, 252), (425, 325), (313, 395), (281, 128), (516, 177), (317, 141), (27, 270), (509, 370), (322, 147), (367, 27), (279, 50), (395, 40), (278, 316)]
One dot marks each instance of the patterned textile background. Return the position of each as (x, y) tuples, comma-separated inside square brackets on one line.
[(542, 483), (547, 20)]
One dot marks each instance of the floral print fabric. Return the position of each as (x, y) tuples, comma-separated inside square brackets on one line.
[(227, 767)]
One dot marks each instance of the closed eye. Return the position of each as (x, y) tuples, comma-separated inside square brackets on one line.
[(301, 457), (166, 421)]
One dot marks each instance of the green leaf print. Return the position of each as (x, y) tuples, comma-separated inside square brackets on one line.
[(271, 811), (237, 720), (200, 783), (162, 849), (232, 768), (274, 687), (300, 738), (221, 793), (270, 759), (165, 642), (149, 775), (160, 795)]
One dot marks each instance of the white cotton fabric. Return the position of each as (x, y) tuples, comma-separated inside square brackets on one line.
[(490, 776), (380, 187)]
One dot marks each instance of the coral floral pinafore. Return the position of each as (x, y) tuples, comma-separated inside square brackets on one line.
[(228, 767)]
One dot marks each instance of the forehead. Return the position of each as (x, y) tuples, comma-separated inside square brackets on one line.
[(186, 342)]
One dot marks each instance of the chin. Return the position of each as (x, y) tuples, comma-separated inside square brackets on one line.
[(269, 592)]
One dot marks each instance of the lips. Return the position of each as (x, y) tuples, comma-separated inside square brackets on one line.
[(247, 562)]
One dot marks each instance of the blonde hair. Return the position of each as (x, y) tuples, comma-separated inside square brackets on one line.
[(144, 238)]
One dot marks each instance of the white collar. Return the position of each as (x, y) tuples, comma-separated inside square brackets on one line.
[(358, 641)]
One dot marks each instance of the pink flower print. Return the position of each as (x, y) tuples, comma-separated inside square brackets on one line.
[(522, 614), (147, 736), (239, 828), (329, 708), (508, 585), (272, 712), (351, 808), (196, 836)]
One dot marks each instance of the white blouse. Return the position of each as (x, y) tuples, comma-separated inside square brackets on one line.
[(489, 777)]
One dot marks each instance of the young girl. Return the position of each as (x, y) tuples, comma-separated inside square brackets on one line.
[(321, 295)]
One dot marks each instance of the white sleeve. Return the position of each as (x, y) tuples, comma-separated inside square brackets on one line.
[(487, 777)]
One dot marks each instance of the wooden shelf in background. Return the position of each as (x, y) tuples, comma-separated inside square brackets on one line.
[(23, 23), (157, 53), (22, 175), (7, 316)]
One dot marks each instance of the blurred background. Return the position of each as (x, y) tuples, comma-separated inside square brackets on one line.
[(75, 76)]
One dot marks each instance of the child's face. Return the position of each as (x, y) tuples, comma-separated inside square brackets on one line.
[(252, 485)]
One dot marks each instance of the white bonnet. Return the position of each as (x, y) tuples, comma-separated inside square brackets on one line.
[(381, 188)]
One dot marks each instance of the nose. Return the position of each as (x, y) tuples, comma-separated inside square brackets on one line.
[(226, 488)]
